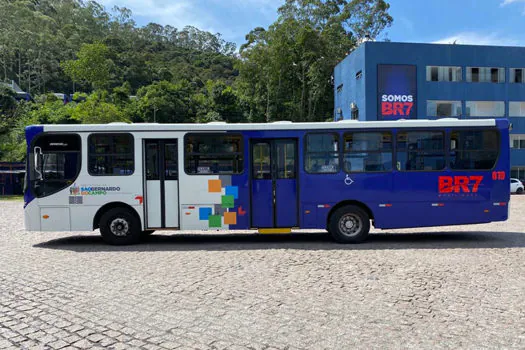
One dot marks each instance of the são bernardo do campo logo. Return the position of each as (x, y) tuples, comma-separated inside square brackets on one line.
[(87, 190)]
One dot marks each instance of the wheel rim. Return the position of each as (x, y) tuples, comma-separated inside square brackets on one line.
[(119, 227), (350, 225)]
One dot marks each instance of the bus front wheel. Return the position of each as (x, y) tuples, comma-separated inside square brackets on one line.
[(119, 226), (349, 224)]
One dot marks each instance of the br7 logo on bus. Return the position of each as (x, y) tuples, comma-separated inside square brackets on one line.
[(457, 184)]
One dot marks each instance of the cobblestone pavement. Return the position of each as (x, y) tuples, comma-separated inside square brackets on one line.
[(434, 288)]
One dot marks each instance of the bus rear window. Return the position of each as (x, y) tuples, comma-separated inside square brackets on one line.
[(420, 150), (213, 154), (474, 149), (54, 163)]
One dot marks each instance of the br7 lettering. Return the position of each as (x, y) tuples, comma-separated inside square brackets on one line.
[(458, 184), (396, 108)]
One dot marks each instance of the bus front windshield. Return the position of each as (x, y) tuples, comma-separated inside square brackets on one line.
[(54, 163)]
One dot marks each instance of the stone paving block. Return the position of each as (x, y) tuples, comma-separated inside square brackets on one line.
[(452, 287)]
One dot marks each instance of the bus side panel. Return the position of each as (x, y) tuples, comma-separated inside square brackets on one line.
[(319, 193), (31, 132), (242, 203), (32, 216), (501, 174)]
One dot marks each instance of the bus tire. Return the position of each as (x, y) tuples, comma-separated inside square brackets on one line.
[(349, 224), (120, 226)]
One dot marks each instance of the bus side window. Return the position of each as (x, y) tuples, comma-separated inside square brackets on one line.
[(368, 151), (321, 153), (213, 154), (421, 150), (111, 154), (475, 149)]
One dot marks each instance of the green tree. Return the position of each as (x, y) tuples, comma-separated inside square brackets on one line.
[(224, 102), (93, 65), (165, 102), (7, 101), (97, 109), (285, 71)]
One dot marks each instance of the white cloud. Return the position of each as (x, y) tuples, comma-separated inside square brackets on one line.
[(232, 18), (473, 38), (510, 2), (507, 2)]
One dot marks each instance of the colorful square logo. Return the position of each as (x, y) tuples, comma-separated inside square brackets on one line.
[(232, 191), (230, 218), (227, 201), (204, 213), (215, 186), (214, 221)]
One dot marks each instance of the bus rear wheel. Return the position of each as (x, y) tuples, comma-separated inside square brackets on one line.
[(119, 226), (349, 224)]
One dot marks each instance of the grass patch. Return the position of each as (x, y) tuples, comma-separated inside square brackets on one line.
[(12, 198)]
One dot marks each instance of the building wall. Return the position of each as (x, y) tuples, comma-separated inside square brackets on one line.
[(371, 54), (347, 88)]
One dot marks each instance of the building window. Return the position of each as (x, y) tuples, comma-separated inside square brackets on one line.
[(367, 151), (354, 111), (443, 108), (516, 109), (322, 153), (207, 154), (485, 75), (517, 141), (444, 73), (474, 149), (517, 173), (516, 75), (485, 108), (355, 114), (110, 154), (420, 150)]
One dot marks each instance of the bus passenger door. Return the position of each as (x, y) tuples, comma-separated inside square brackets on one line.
[(162, 186), (274, 183)]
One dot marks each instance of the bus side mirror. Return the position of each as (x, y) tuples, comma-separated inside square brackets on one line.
[(452, 144), (38, 162)]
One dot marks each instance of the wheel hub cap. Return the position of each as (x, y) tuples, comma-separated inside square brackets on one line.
[(350, 225), (119, 227)]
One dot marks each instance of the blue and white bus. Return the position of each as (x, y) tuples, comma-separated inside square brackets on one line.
[(129, 180)]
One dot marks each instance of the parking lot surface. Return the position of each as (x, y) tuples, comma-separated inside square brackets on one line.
[(454, 287)]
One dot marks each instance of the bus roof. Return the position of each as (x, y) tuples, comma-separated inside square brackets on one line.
[(282, 125)]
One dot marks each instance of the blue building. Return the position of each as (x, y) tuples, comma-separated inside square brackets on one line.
[(386, 81)]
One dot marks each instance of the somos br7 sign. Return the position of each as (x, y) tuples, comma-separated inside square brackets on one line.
[(396, 91)]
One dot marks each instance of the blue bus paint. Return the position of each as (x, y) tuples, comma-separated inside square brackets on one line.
[(410, 196), (31, 132), (262, 203), (286, 209)]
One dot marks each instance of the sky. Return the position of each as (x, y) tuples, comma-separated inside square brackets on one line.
[(483, 22)]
